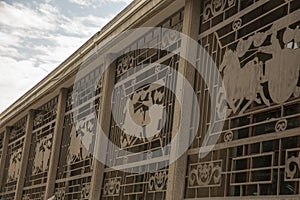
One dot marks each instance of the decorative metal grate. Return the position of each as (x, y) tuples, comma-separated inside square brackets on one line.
[(75, 162), (133, 70), (1, 143), (255, 44), (40, 150), (13, 159)]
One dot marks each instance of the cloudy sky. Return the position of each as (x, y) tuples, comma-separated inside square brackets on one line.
[(36, 36)]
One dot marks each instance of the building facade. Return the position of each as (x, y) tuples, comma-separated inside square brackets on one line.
[(49, 141)]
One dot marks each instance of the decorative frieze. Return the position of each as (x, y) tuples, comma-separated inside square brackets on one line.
[(158, 181), (205, 174), (112, 187)]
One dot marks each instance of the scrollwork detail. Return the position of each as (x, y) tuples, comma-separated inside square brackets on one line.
[(291, 166), (205, 174), (112, 187), (281, 125), (125, 63), (170, 37), (215, 7), (237, 24), (158, 181)]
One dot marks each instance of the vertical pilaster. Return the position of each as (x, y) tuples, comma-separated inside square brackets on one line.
[(104, 117), (4, 152), (56, 143), (25, 155), (177, 169)]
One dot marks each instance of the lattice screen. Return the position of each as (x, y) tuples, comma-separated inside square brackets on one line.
[(40, 150), (141, 98), (255, 44), (75, 162), (13, 159), (1, 143)]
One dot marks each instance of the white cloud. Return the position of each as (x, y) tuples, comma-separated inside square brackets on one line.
[(16, 78), (87, 25), (82, 2), (119, 1), (35, 38), (19, 16), (9, 51), (7, 39), (97, 3)]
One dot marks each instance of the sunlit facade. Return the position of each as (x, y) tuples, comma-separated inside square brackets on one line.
[(255, 46)]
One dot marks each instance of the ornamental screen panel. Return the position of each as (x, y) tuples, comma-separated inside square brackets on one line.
[(1, 144), (144, 104), (255, 44), (75, 162), (40, 150), (13, 159)]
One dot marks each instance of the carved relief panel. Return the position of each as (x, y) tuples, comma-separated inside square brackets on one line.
[(141, 122), (255, 45), (75, 162), (205, 174), (13, 159), (40, 150)]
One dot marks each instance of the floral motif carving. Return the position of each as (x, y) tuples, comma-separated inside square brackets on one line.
[(158, 181), (112, 187), (205, 174)]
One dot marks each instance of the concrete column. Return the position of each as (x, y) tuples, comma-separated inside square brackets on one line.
[(56, 143), (4, 152), (177, 169), (104, 117), (25, 155)]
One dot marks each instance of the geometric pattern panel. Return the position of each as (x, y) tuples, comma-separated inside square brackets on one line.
[(75, 161), (40, 150), (255, 45), (143, 103), (13, 159)]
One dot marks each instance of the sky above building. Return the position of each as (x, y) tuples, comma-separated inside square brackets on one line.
[(36, 36)]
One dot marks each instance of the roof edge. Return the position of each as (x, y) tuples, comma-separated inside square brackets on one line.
[(110, 27)]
